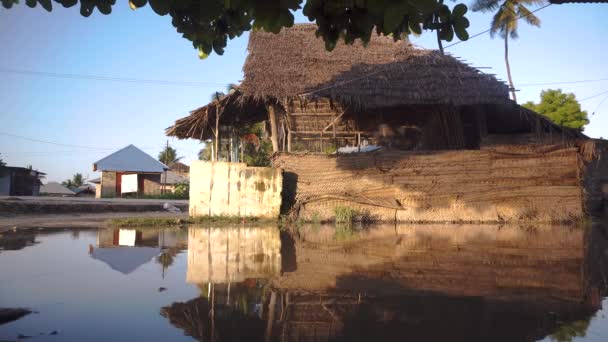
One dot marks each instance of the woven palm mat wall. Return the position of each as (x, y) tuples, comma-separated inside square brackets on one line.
[(513, 184)]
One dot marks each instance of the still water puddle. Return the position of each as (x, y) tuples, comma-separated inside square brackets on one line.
[(381, 283)]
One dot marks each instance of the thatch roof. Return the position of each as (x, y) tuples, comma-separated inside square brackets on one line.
[(547, 125), (295, 62), (233, 111)]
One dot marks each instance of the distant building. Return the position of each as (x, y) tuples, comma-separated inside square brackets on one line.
[(56, 189), (97, 183), (20, 181), (174, 178), (129, 170), (85, 190), (180, 168)]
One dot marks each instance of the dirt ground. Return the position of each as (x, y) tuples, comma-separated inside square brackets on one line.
[(74, 220)]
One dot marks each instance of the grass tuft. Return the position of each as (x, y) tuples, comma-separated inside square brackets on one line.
[(141, 222)]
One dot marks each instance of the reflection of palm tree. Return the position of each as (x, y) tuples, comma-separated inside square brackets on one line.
[(166, 259)]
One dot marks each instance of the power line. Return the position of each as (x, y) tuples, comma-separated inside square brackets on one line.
[(593, 96), (488, 30), (564, 82), (599, 104), (89, 148), (112, 79), (47, 142)]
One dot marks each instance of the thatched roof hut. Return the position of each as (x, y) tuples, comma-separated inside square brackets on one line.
[(309, 93)]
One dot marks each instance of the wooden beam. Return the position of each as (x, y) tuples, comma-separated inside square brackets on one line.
[(333, 122), (288, 126)]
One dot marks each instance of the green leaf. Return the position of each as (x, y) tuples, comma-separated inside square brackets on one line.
[(444, 13), (46, 4), (461, 32), (67, 3), (86, 8), (393, 16), (104, 8), (459, 10), (135, 4), (161, 7), (463, 22), (202, 54), (446, 34), (415, 27), (9, 3), (30, 3)]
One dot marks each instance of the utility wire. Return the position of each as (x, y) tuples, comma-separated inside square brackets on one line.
[(379, 71), (598, 105), (565, 82), (112, 79), (593, 96), (90, 148), (488, 30)]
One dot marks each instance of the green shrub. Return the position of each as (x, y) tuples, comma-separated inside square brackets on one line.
[(182, 190), (345, 214)]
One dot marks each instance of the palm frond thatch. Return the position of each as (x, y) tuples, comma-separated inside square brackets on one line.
[(233, 110), (384, 73)]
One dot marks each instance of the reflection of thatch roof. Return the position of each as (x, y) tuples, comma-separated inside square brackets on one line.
[(385, 73), (234, 111), (194, 318)]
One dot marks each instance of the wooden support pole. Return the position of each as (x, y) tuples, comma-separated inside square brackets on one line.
[(274, 134), (217, 135), (271, 311)]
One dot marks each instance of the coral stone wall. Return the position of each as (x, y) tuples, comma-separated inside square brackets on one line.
[(234, 189)]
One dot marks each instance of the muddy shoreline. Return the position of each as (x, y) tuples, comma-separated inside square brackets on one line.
[(74, 220)]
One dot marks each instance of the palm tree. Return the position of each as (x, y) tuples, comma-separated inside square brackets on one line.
[(168, 156), (76, 181), (505, 23)]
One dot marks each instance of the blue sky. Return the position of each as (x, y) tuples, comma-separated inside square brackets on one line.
[(104, 116)]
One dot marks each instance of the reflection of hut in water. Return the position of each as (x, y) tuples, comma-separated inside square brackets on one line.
[(124, 250), (438, 283), (421, 283), (222, 255), (225, 324), (475, 260)]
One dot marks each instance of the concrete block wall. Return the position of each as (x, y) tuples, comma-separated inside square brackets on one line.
[(151, 183), (234, 189), (108, 184)]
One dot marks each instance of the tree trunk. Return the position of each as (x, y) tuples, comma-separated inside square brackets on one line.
[(439, 43), (511, 86), (274, 134)]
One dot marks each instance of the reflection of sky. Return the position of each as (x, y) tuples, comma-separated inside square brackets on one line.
[(597, 331), (85, 299), (125, 259), (139, 44)]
